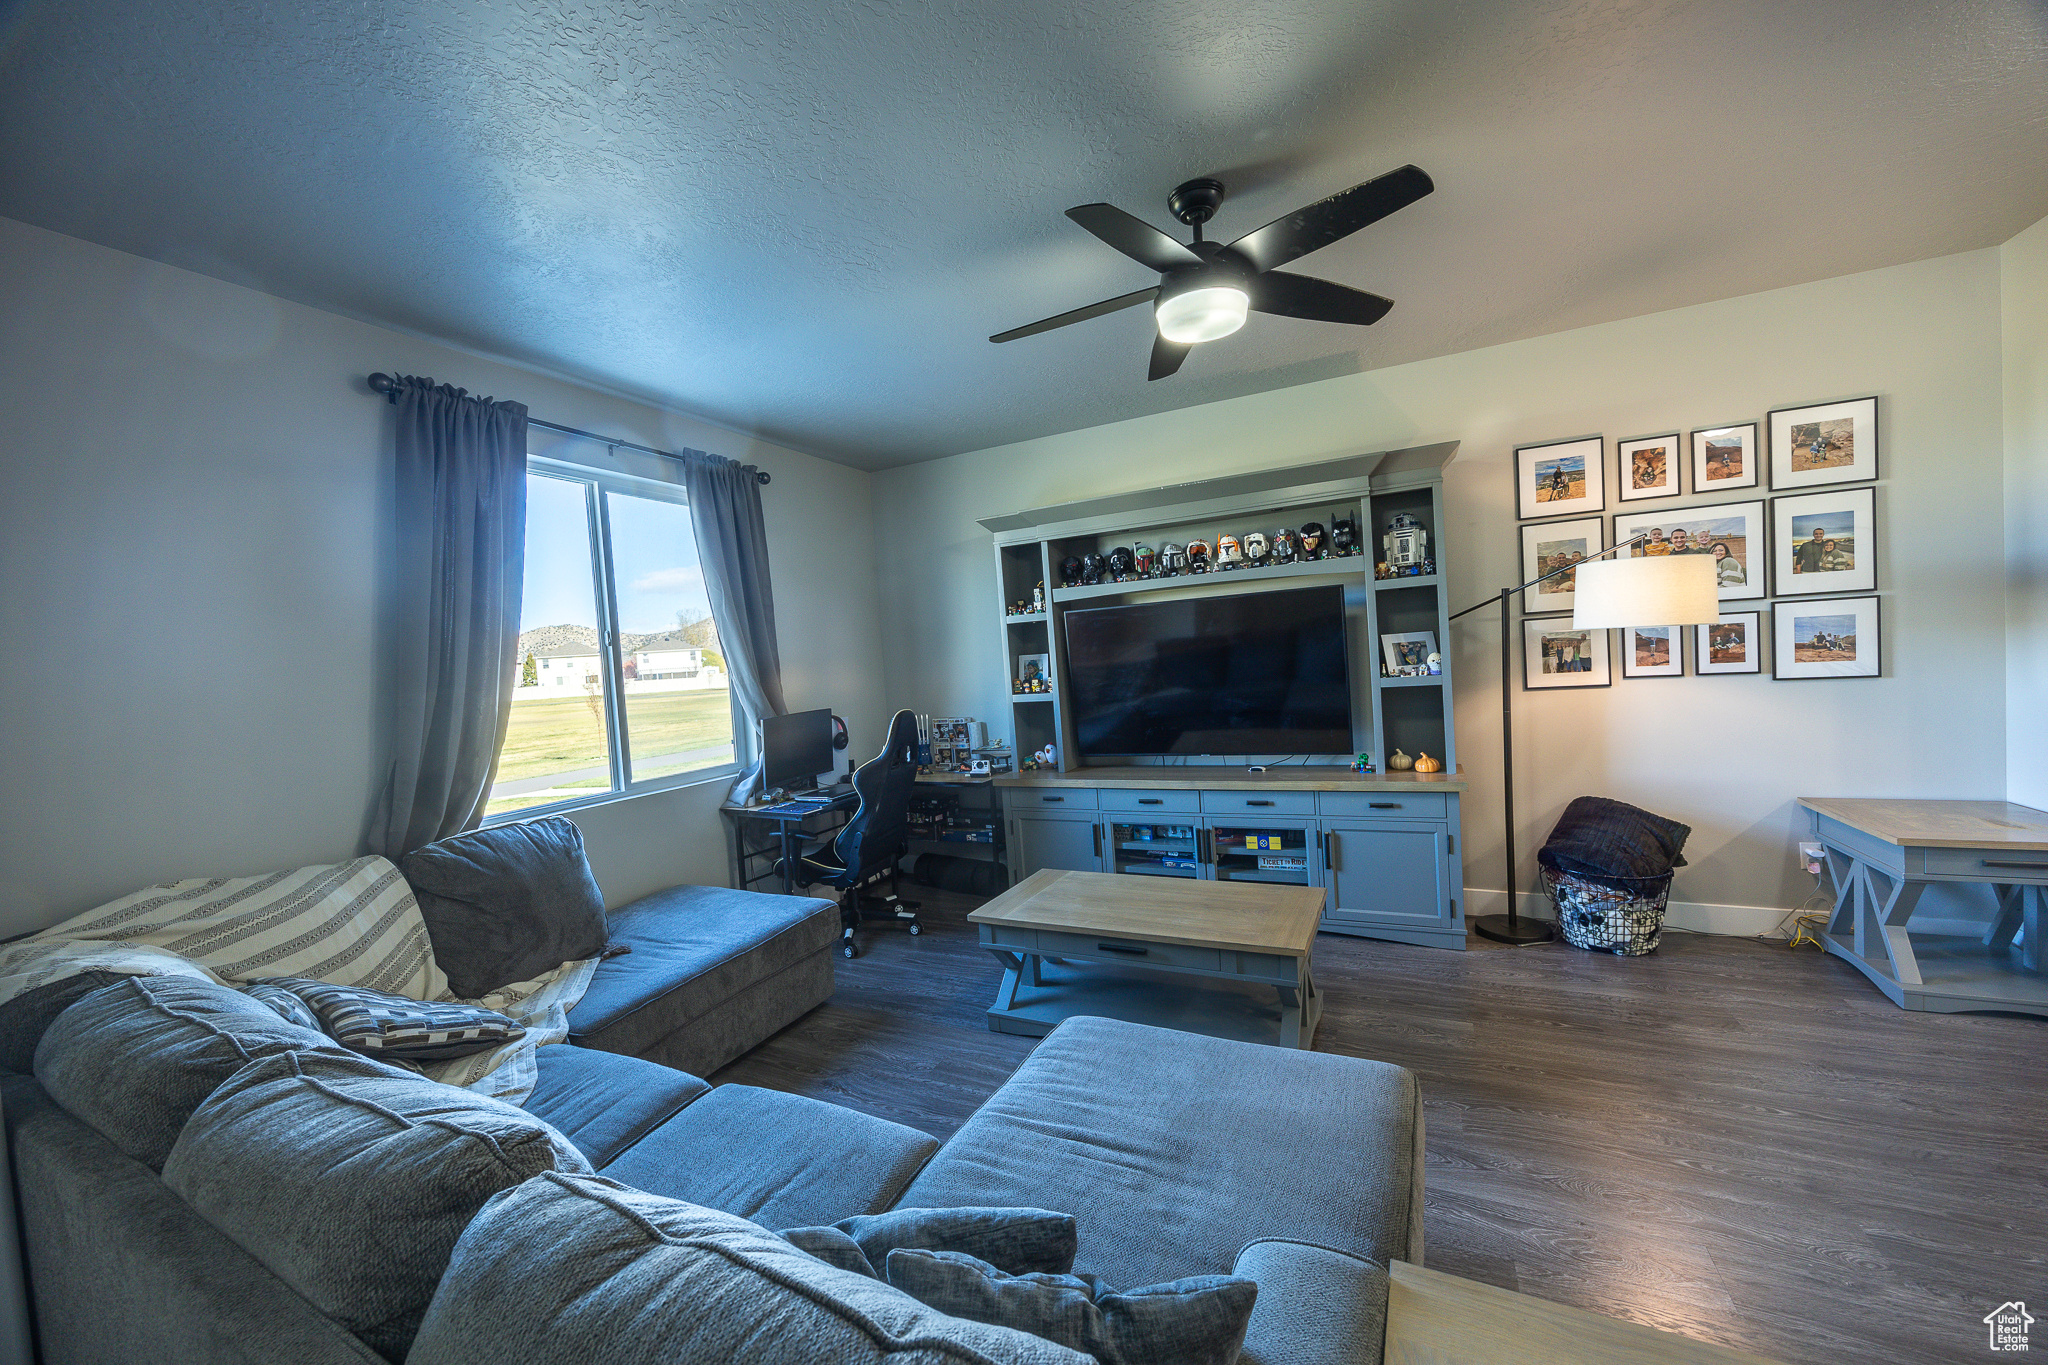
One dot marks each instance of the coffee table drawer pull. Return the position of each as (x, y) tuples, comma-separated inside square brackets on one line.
[(1052, 798), (1151, 801), (2039, 867), (1258, 803), (1121, 948), (1385, 805)]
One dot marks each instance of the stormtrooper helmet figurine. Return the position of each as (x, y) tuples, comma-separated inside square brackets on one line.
[(1283, 546), (1229, 554), (1173, 561), (1312, 537), (1343, 536), (1091, 567), (1070, 571), (1198, 556), (1122, 564), (1256, 549), (1146, 559)]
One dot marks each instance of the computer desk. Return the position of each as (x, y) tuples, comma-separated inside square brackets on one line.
[(790, 832)]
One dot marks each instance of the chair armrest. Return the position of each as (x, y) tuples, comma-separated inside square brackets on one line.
[(1316, 1306)]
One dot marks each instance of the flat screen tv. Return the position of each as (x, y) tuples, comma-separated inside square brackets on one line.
[(1256, 673)]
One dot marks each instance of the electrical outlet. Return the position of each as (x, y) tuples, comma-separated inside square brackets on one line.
[(1810, 857)]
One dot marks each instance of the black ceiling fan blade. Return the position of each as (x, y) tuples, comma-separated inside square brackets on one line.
[(1093, 310), (1167, 356), (1303, 296), (1332, 219), (1135, 237)]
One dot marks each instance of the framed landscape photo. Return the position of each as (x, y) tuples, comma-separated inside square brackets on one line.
[(1653, 651), (1824, 443), (1548, 545), (1732, 532), (1733, 644), (1561, 478), (1724, 457), (1826, 637), (1647, 468), (1554, 654), (1826, 543)]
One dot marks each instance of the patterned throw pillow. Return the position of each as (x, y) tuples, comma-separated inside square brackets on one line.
[(285, 1003), (377, 1024)]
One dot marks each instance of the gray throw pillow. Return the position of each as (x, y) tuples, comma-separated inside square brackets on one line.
[(1020, 1241), (395, 1027), (134, 1059), (352, 1182), (288, 1006), (1197, 1321), (508, 903)]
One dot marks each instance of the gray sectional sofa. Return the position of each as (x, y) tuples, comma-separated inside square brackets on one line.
[(200, 1183)]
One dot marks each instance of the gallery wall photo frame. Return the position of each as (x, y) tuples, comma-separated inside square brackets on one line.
[(1647, 467), (1734, 533), (1548, 545), (1826, 543), (1561, 478), (1732, 644), (1823, 443), (1827, 637), (1724, 458), (1557, 655), (1652, 651)]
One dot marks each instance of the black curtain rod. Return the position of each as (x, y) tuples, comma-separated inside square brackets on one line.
[(386, 385)]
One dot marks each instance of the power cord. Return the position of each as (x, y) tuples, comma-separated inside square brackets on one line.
[(1804, 921)]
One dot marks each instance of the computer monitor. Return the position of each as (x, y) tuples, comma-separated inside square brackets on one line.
[(796, 748)]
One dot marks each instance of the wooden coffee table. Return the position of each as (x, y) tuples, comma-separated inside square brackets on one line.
[(1125, 945)]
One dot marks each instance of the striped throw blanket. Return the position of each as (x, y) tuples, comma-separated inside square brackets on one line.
[(353, 923)]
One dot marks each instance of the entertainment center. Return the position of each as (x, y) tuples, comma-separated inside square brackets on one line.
[(1168, 725)]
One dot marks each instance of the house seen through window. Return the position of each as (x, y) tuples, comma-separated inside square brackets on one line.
[(620, 679)]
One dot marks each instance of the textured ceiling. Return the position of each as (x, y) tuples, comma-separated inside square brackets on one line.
[(804, 219)]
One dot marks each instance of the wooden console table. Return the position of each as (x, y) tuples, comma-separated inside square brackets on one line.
[(1883, 855)]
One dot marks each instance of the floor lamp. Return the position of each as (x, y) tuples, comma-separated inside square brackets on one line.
[(1660, 590)]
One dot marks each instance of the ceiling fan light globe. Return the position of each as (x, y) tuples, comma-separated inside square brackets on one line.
[(1198, 315)]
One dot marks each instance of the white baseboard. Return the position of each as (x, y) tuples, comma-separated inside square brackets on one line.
[(1742, 921)]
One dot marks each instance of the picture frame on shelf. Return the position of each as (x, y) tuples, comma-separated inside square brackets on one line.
[(1724, 458), (1548, 545), (1561, 478), (1826, 543), (1407, 655), (1732, 532), (1647, 467), (1827, 637), (1034, 668), (1732, 644), (1555, 654), (1824, 443), (1653, 651)]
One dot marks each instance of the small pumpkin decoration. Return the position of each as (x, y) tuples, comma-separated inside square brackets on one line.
[(1399, 762), (1426, 764)]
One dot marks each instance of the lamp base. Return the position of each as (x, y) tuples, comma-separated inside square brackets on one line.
[(1519, 932)]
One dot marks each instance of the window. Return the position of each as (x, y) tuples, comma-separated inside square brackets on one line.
[(613, 590)]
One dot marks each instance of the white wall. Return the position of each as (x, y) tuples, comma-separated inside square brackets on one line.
[(196, 482), (1728, 755), (2023, 276)]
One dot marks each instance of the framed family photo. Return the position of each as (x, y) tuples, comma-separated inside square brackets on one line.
[(1560, 478), (1732, 532), (1724, 457), (1034, 667), (1826, 543), (1556, 655), (1648, 468), (1733, 644), (1833, 637), (1408, 655), (1652, 652), (1551, 545), (1824, 443)]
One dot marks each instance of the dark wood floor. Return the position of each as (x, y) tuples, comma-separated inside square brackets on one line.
[(1726, 1139)]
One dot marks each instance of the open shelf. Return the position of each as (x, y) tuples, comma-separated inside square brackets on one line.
[(1434, 681), (1024, 618), (1410, 581), (1354, 566), (1033, 696)]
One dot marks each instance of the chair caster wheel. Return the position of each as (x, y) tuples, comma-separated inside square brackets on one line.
[(848, 949), (916, 929)]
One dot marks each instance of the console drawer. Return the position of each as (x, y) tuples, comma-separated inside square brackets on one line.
[(1091, 946), (1385, 805), (1982, 864), (1124, 798), (1058, 798), (1260, 803)]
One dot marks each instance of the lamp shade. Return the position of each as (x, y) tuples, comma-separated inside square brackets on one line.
[(1664, 590)]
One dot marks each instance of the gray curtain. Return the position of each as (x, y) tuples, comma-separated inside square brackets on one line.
[(460, 558), (725, 507)]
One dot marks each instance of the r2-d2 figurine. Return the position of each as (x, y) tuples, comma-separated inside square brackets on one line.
[(1405, 545)]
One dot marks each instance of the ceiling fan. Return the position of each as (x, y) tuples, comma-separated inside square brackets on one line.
[(1206, 288)]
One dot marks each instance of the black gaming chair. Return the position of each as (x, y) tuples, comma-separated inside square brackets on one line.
[(866, 848)]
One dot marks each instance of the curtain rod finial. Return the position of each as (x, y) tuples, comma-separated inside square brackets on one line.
[(761, 476), (384, 384)]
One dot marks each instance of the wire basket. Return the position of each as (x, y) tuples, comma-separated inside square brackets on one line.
[(1623, 918)]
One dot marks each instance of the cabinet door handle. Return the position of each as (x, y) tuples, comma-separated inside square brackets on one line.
[(1385, 805), (1332, 852), (1258, 803), (1121, 948), (1151, 801), (1098, 839), (1052, 798)]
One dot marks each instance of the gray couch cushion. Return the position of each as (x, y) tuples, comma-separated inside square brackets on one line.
[(25, 1018), (352, 1182), (1172, 1150), (508, 903), (602, 1102), (1316, 1306), (134, 1059), (582, 1268), (781, 1160), (694, 947)]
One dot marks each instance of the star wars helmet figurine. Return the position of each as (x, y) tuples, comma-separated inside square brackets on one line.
[(1405, 544), (1229, 554), (1256, 550), (1146, 558), (1283, 546), (1122, 563), (1198, 556), (1343, 536), (1092, 566), (1070, 571), (1173, 561), (1313, 538)]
